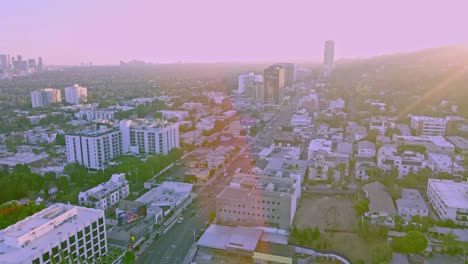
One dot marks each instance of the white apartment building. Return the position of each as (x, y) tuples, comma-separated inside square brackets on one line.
[(381, 124), (106, 194), (318, 144), (43, 97), (178, 114), (433, 144), (76, 94), (366, 148), (411, 204), (407, 162), (449, 199), (428, 126), (245, 79), (337, 104), (444, 163), (95, 114), (60, 232), (148, 136), (301, 118), (94, 149)]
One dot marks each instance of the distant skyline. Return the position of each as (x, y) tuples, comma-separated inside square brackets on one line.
[(108, 31)]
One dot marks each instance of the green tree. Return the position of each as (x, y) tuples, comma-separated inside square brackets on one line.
[(361, 206), (128, 258), (413, 242), (60, 140), (449, 241), (381, 254)]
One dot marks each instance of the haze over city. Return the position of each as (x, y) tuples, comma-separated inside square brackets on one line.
[(105, 32)]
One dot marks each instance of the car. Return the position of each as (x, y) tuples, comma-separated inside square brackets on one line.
[(180, 220)]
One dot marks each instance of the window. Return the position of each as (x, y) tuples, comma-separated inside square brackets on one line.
[(71, 239), (45, 257), (87, 229), (36, 261), (63, 244), (54, 251), (94, 225)]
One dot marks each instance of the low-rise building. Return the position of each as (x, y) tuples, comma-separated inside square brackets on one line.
[(449, 199), (380, 202), (329, 166), (253, 200), (433, 144), (366, 148), (428, 126), (406, 162), (356, 133), (317, 145), (411, 204), (106, 194), (177, 114), (460, 143), (59, 232), (382, 124)]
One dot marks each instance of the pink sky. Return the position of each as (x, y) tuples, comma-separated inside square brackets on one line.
[(107, 31)]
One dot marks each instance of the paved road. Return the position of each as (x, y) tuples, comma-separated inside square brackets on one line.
[(173, 246)]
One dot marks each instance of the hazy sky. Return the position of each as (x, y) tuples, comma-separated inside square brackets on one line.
[(107, 31)]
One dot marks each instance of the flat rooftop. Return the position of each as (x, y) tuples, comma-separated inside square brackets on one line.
[(453, 194), (43, 229), (227, 237), (379, 199), (411, 198), (459, 142)]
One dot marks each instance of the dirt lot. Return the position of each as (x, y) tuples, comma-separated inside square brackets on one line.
[(327, 212), (352, 246)]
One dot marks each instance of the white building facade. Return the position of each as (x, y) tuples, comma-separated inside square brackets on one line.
[(106, 194), (44, 97), (60, 232), (93, 149), (429, 126), (245, 79), (76, 94), (449, 199)]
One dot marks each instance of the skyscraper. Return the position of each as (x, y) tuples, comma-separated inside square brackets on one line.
[(328, 57), (32, 63), (40, 66), (289, 74), (3, 62), (274, 84)]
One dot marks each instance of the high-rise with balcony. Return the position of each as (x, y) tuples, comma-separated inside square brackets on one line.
[(149, 136), (44, 97), (93, 149), (60, 233), (328, 57), (76, 94)]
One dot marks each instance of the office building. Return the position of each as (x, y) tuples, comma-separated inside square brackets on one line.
[(148, 136), (328, 57), (58, 233), (4, 65), (93, 149), (289, 73), (76, 94), (44, 97), (254, 90), (274, 81), (40, 65), (105, 194), (449, 199), (253, 200), (245, 79), (428, 126), (32, 64)]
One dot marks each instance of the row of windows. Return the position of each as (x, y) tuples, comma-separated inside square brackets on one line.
[(248, 213)]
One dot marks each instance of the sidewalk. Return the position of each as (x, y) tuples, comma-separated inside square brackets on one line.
[(190, 254)]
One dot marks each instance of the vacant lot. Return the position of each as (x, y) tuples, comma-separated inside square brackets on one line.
[(352, 246), (327, 212)]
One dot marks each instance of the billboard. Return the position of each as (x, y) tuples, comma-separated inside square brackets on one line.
[(131, 215)]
